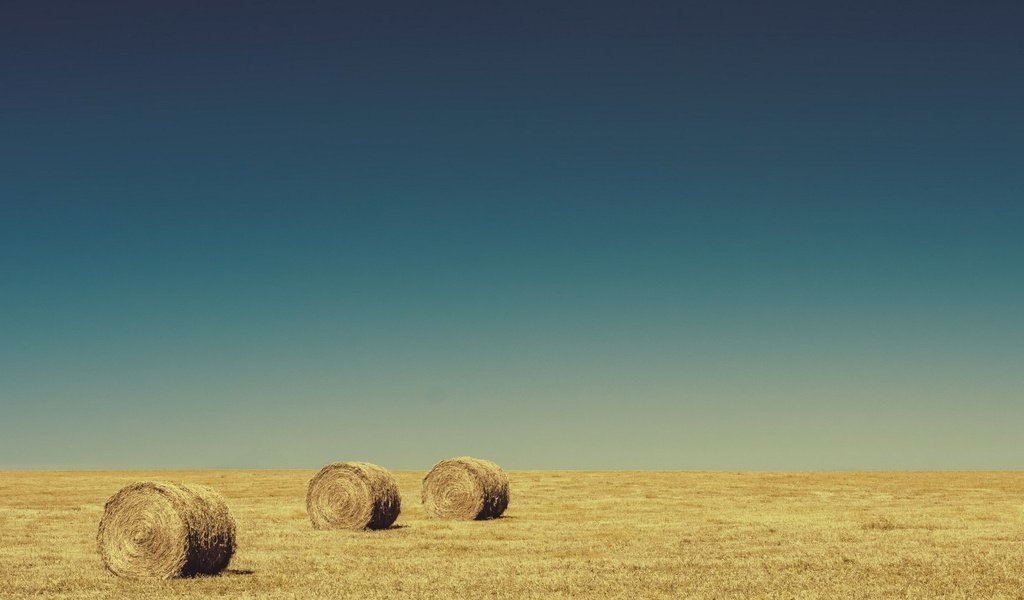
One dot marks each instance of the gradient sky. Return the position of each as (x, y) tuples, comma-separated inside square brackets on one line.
[(694, 235)]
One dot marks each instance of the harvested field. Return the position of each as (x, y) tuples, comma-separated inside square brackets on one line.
[(565, 534)]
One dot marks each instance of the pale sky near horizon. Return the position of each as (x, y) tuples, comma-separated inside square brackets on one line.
[(598, 235)]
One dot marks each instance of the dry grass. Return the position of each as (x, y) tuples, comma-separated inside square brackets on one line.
[(565, 534), (353, 495), (465, 488), (152, 529)]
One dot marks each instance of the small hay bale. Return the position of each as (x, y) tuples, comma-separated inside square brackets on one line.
[(353, 495), (166, 530), (465, 488)]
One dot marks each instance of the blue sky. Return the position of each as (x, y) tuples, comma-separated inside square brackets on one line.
[(648, 235)]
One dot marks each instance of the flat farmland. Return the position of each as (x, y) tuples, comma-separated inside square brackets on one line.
[(566, 534)]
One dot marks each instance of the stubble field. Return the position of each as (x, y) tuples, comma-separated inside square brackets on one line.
[(565, 534)]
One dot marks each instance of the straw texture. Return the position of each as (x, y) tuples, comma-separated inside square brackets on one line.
[(353, 495), (165, 530), (465, 488)]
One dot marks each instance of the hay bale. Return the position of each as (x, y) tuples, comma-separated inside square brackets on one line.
[(353, 495), (166, 530), (465, 488)]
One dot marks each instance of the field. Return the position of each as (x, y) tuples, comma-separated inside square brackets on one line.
[(566, 534)]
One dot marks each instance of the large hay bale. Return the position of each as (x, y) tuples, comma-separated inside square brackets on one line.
[(465, 488), (353, 495), (166, 530)]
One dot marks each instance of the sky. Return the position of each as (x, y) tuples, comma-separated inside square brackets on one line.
[(719, 235)]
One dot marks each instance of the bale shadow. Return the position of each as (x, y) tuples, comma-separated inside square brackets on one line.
[(237, 572)]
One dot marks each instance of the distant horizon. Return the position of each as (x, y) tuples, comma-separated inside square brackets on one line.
[(730, 236)]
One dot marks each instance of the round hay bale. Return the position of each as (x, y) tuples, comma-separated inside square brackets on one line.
[(166, 530), (465, 488), (353, 495)]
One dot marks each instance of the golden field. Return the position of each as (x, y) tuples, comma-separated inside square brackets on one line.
[(565, 534)]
